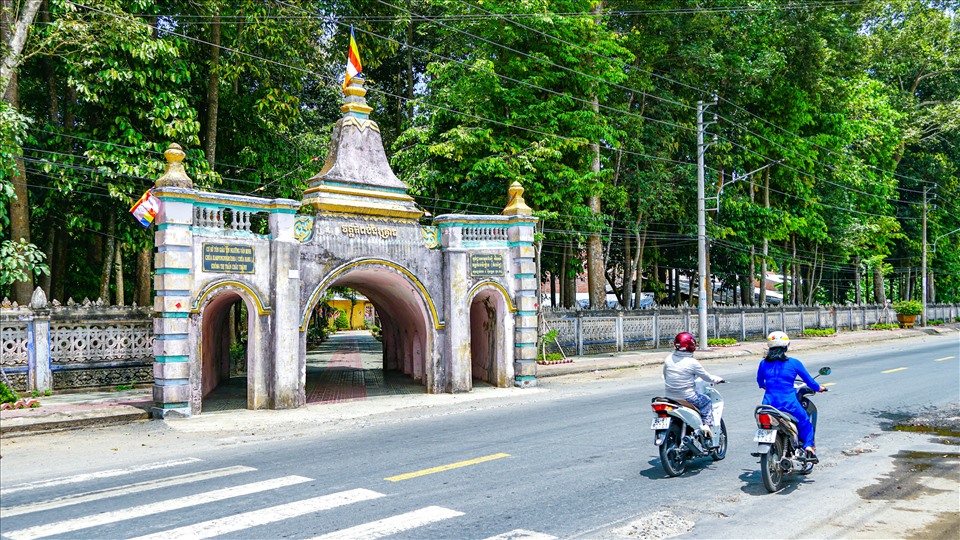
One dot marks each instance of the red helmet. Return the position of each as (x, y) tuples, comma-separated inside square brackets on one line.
[(685, 342)]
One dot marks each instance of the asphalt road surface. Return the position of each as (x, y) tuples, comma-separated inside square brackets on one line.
[(572, 459)]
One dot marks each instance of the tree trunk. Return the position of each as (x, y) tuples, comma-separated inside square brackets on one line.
[(213, 91), (638, 264), (879, 295), (626, 292), (108, 257), (118, 266), (709, 277), (595, 263), (144, 296), (53, 109), (858, 298), (58, 265), (47, 279), (15, 27), (20, 203)]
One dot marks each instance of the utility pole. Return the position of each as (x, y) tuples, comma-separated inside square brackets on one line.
[(702, 226), (923, 264)]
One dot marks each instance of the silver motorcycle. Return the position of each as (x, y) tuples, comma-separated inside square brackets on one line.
[(676, 428)]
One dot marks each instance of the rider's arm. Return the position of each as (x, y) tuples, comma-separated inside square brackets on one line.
[(699, 371), (802, 372), (760, 378)]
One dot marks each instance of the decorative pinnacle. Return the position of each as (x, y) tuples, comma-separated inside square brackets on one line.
[(354, 103), (175, 175), (517, 206)]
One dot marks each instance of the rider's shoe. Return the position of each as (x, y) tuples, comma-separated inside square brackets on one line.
[(812, 456), (707, 432)]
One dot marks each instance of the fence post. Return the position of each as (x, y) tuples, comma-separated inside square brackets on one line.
[(716, 325), (766, 326), (39, 377), (618, 330), (656, 328), (803, 328), (743, 324), (579, 333), (783, 318), (686, 320)]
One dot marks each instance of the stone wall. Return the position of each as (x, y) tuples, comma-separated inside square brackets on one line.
[(49, 346), (603, 331)]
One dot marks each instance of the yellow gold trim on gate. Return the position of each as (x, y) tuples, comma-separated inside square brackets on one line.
[(506, 296), (261, 310)]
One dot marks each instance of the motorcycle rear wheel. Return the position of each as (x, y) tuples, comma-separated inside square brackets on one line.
[(770, 466), (671, 457), (721, 451)]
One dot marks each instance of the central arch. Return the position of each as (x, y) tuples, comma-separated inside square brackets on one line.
[(407, 314)]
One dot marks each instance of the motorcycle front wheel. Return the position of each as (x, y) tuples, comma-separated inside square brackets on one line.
[(721, 451), (770, 466), (671, 457)]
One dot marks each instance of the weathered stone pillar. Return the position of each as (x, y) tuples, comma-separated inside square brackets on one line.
[(172, 373), (456, 353), (38, 348), (285, 253), (526, 287)]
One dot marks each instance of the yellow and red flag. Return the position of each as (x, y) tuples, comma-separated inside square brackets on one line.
[(353, 60)]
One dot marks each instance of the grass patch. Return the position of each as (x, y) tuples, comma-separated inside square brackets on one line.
[(883, 326), (721, 342), (819, 332)]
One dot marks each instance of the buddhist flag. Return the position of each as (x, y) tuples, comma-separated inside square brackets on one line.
[(353, 60), (145, 210)]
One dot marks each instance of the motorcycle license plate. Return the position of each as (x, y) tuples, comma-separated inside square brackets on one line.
[(661, 423), (765, 436)]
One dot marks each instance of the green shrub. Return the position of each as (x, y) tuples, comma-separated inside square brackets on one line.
[(35, 393), (342, 323), (935, 322), (550, 357), (883, 326), (122, 387), (7, 395), (819, 332), (908, 307), (48, 392), (721, 342)]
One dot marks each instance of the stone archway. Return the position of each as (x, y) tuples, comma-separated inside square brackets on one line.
[(490, 322), (406, 312), (211, 366)]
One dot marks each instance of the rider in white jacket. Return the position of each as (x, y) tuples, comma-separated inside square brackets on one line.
[(680, 372)]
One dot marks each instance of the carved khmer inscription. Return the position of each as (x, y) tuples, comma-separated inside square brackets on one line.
[(486, 264), (369, 230), (227, 258)]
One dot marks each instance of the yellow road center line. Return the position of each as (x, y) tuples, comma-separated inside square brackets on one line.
[(828, 384), (442, 468), (944, 358), (894, 369)]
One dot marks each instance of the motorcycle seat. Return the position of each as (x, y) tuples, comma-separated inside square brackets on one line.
[(680, 402), (776, 412)]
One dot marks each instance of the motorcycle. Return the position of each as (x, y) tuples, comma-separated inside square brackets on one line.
[(676, 428), (779, 447)]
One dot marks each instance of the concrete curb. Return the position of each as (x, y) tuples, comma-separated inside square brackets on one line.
[(64, 420)]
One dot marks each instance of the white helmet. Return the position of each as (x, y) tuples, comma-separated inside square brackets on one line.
[(778, 339)]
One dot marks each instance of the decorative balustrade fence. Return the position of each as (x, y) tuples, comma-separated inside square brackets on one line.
[(77, 346), (592, 332)]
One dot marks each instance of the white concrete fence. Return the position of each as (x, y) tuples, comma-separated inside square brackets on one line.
[(75, 346), (604, 331)]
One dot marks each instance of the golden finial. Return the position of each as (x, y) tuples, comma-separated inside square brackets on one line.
[(175, 175), (516, 206)]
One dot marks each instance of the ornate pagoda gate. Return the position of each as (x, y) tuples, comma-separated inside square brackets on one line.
[(457, 298)]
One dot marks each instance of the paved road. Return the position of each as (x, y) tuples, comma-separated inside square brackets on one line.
[(574, 459)]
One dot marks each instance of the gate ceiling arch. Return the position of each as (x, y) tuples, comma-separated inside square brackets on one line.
[(357, 227)]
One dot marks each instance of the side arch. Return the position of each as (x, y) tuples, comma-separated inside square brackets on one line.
[(343, 269), (484, 284), (208, 289)]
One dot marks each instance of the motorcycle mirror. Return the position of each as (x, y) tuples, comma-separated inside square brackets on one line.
[(824, 371)]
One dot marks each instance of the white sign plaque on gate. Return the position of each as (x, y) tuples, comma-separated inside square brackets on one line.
[(486, 264), (232, 259)]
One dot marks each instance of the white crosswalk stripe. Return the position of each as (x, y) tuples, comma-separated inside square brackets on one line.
[(239, 522), (96, 476), (139, 487), (392, 525), (86, 522), (520, 534)]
